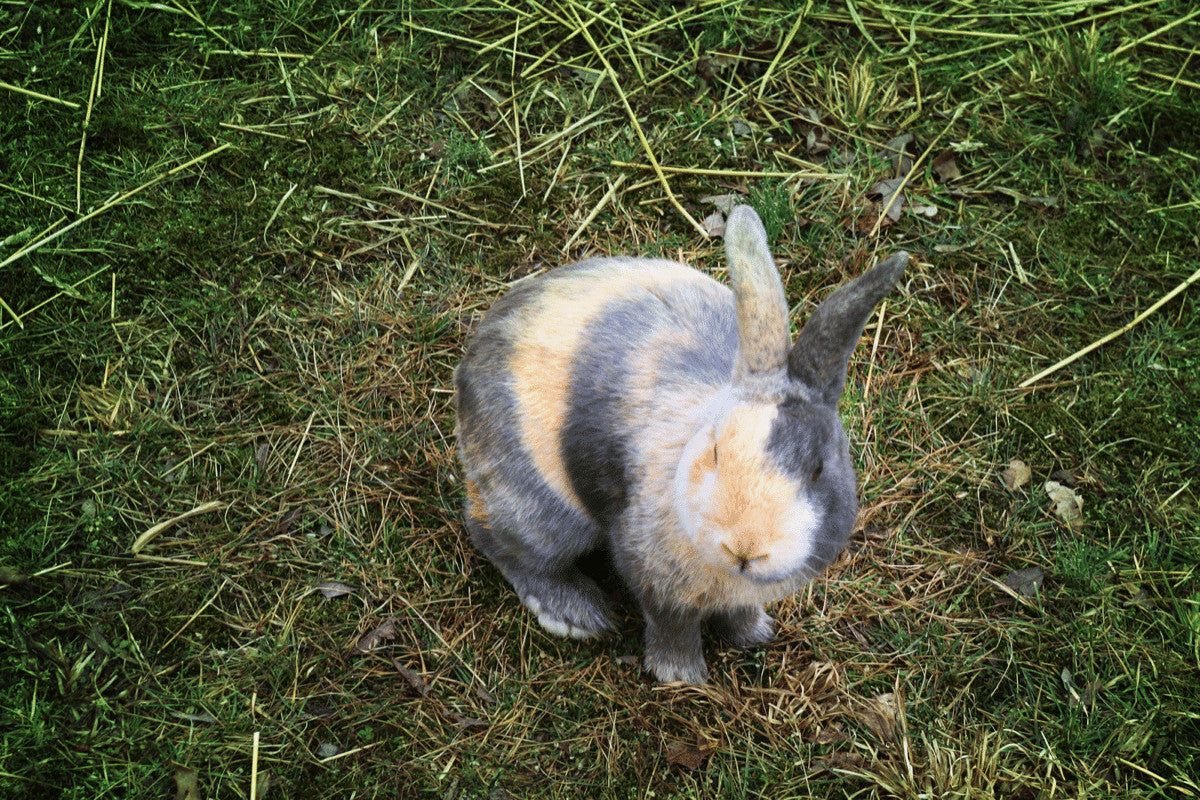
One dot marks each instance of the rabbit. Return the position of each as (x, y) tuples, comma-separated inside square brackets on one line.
[(638, 405)]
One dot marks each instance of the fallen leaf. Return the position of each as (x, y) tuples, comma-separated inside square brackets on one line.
[(723, 202), (333, 589), (1068, 505), (923, 210), (187, 783), (714, 224), (1026, 582), (413, 677), (1069, 685), (484, 695), (884, 715), (689, 755), (263, 455), (326, 750), (462, 722), (896, 152), (384, 632), (945, 168), (893, 196), (818, 142), (741, 128), (202, 716), (1016, 475), (262, 785)]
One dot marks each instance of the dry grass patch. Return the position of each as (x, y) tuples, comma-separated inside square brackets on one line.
[(233, 555)]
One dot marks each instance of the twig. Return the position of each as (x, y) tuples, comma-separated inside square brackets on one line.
[(148, 536), (787, 41), (736, 173), (1195, 276), (93, 94), (38, 95)]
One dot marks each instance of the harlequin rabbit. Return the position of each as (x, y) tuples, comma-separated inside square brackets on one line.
[(638, 405)]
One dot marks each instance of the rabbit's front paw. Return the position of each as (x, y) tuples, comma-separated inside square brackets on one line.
[(675, 667), (578, 620), (745, 627)]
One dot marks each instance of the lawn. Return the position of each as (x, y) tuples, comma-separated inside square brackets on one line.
[(242, 246)]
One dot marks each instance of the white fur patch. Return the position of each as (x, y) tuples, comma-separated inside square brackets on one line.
[(798, 529)]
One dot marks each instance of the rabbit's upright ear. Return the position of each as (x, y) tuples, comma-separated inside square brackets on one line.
[(762, 311), (822, 350)]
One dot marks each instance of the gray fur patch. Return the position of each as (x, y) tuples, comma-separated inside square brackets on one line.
[(598, 428), (808, 443)]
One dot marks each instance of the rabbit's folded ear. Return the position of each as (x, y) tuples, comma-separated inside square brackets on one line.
[(762, 311), (822, 350)]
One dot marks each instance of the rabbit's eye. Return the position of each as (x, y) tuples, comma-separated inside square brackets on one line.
[(817, 472)]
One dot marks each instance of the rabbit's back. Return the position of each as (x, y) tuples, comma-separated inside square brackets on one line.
[(573, 372)]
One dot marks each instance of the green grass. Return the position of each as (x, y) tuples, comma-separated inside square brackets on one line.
[(267, 336)]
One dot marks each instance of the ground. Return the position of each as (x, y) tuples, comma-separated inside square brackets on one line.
[(241, 247)]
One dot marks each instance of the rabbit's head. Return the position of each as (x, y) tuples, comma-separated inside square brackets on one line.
[(765, 489)]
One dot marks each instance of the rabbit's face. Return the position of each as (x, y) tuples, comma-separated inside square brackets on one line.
[(743, 513)]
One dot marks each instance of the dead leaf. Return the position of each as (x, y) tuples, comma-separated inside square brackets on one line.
[(818, 142), (723, 202), (1016, 475), (262, 785), (945, 168), (484, 695), (923, 210), (413, 677), (1026, 582), (333, 589), (462, 722), (1080, 696), (884, 715), (714, 223), (187, 783), (896, 152), (384, 632), (327, 750), (893, 196), (263, 455), (689, 755), (1068, 505), (202, 716)]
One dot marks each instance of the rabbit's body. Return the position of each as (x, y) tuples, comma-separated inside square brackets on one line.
[(640, 406)]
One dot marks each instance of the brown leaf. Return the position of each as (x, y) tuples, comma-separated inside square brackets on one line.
[(333, 589), (689, 755), (896, 152), (187, 783), (1016, 475), (1068, 505), (1026, 582), (462, 722), (263, 455), (723, 202), (893, 196), (884, 715), (945, 168), (413, 677), (714, 223), (384, 632)]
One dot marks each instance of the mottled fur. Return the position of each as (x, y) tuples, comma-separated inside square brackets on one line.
[(639, 406)]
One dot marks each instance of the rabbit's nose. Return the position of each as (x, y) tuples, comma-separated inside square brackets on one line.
[(742, 557)]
